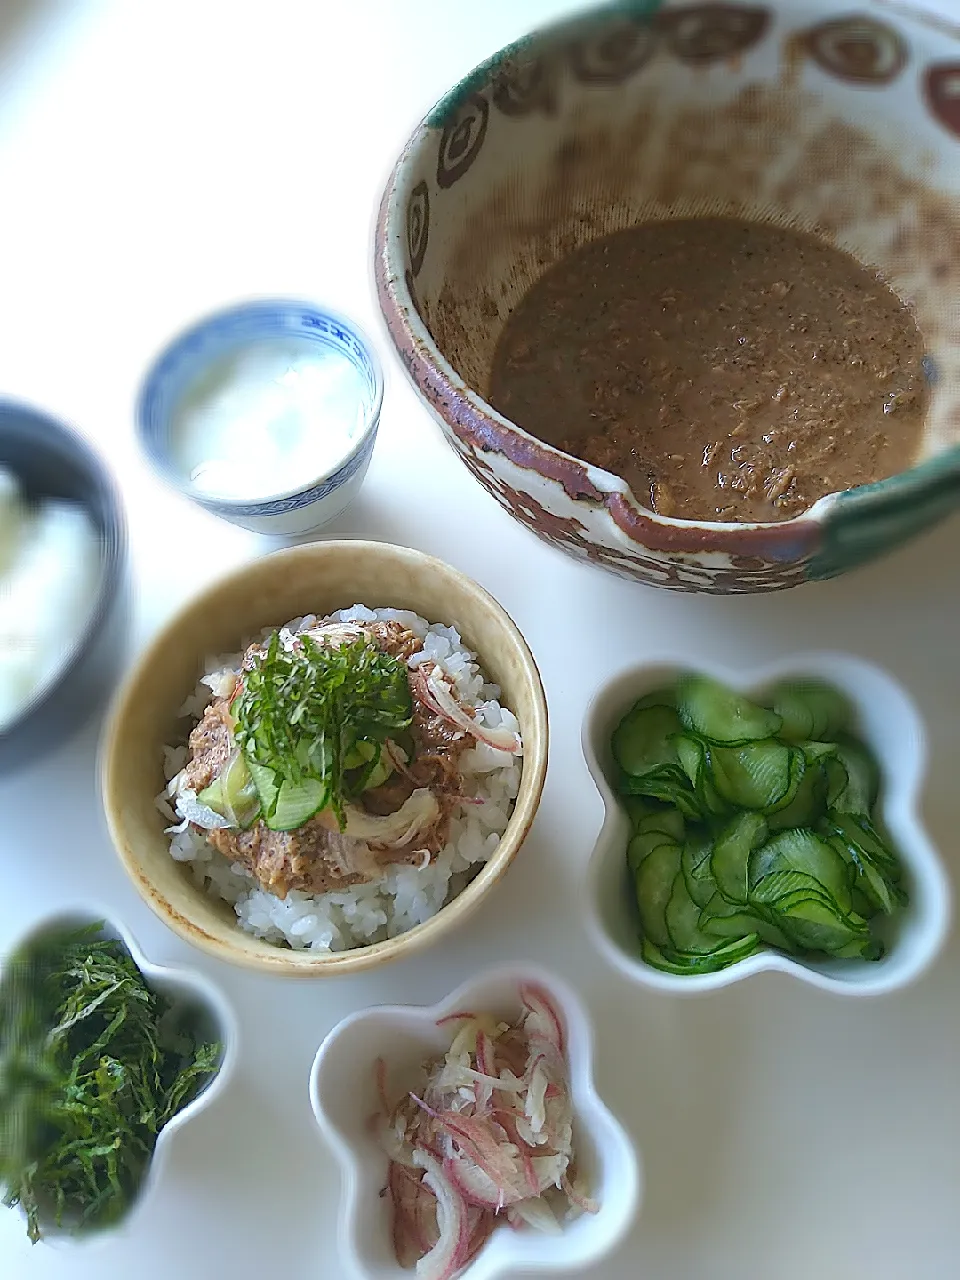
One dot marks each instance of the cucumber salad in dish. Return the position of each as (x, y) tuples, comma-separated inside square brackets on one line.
[(343, 778), (753, 826)]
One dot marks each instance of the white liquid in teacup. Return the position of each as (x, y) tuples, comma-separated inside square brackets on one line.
[(268, 419)]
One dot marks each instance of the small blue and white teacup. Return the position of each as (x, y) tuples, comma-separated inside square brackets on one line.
[(265, 413)]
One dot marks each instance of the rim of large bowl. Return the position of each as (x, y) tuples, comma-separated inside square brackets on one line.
[(490, 431)]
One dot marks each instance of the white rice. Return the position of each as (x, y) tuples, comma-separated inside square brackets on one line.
[(407, 895)]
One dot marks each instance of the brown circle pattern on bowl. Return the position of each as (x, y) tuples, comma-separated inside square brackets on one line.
[(613, 57), (519, 90), (418, 226), (704, 33), (857, 49), (412, 290), (941, 88), (461, 140)]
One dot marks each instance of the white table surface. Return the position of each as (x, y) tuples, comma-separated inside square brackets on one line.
[(162, 157)]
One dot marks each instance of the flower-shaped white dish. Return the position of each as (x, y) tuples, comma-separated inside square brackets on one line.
[(343, 1092), (890, 725), (193, 999)]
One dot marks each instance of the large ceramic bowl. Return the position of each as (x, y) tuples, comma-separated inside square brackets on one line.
[(796, 111), (316, 578)]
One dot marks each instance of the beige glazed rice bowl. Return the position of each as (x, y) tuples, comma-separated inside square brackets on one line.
[(318, 579)]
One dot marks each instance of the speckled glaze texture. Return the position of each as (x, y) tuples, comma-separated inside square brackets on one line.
[(316, 578), (842, 122)]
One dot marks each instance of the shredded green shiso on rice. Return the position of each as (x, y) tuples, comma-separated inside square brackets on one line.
[(311, 724), (93, 1064)]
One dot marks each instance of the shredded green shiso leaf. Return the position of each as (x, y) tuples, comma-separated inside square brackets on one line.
[(93, 1064), (311, 723)]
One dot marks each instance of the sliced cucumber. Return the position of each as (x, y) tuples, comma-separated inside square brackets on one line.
[(861, 904), (742, 923), (359, 754), (680, 797), (718, 906), (805, 806), (654, 884), (637, 807), (722, 715), (669, 821), (668, 785), (297, 803), (862, 835), (233, 794), (861, 949), (752, 825), (381, 768), (804, 851), (688, 965), (820, 927), (755, 776), (711, 801), (240, 791), (265, 781), (643, 844), (877, 891), (643, 740), (731, 854), (798, 768), (817, 751), (682, 919), (658, 698), (690, 753), (212, 797), (860, 782), (780, 885), (684, 966), (809, 709), (697, 872), (877, 872)]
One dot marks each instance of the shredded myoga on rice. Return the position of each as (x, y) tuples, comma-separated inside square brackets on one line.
[(344, 777)]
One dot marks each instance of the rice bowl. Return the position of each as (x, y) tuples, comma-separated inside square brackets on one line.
[(149, 715), (406, 895)]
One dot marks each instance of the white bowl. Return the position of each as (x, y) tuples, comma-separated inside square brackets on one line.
[(344, 1096), (216, 1022), (319, 498), (888, 722)]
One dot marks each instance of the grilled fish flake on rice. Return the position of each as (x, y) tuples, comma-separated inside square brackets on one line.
[(316, 886)]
